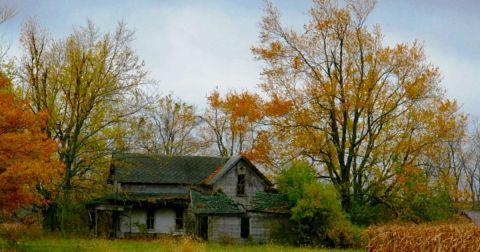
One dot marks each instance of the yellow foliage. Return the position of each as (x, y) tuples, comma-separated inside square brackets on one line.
[(337, 95)]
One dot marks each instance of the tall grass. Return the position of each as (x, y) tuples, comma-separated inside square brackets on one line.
[(424, 237), (167, 244)]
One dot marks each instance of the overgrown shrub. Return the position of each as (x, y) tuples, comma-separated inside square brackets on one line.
[(78, 220), (317, 212), (417, 199), (369, 214), (432, 205), (12, 233)]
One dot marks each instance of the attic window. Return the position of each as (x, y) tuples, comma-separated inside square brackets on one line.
[(241, 185)]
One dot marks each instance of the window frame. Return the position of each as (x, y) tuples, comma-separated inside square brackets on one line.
[(179, 218), (150, 218), (241, 184)]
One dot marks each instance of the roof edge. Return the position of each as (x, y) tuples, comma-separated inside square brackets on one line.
[(232, 161)]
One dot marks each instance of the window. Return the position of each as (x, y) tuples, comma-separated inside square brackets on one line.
[(179, 218), (245, 227), (241, 185), (150, 218)]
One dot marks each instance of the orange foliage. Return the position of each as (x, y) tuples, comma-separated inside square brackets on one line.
[(261, 149), (235, 121), (26, 154), (277, 107)]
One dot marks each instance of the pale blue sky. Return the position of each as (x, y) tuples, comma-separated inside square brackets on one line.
[(191, 47)]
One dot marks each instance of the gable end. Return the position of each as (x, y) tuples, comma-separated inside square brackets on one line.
[(230, 164)]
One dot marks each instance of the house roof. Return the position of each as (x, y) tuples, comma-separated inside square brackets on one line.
[(214, 177), (139, 197), (146, 168), (217, 203), (271, 203), (161, 169)]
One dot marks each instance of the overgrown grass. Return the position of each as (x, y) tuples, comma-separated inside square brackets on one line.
[(173, 245)]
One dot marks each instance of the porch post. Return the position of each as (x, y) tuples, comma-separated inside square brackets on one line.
[(96, 222)]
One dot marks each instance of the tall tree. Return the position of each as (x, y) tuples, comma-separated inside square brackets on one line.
[(470, 159), (233, 125), (27, 160), (362, 111), (89, 84), (167, 126), (6, 12)]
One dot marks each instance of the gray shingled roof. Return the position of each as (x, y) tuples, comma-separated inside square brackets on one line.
[(145, 168)]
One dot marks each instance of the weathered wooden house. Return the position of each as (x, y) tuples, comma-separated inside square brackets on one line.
[(215, 198)]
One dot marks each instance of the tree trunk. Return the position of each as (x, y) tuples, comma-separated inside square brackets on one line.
[(66, 196), (346, 198)]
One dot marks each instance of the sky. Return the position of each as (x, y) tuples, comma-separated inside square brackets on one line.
[(192, 47)]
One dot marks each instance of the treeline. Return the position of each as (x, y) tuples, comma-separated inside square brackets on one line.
[(372, 121)]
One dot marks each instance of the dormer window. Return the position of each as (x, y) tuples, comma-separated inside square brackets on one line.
[(241, 184)]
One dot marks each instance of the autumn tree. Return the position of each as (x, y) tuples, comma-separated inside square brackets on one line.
[(27, 156), (447, 161), (89, 84), (167, 126), (233, 125), (6, 13), (366, 114), (469, 153)]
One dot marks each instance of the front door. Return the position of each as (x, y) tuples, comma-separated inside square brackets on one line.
[(203, 227)]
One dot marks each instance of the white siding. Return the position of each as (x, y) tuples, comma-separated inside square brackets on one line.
[(266, 227), (224, 229), (253, 183), (137, 216), (164, 220)]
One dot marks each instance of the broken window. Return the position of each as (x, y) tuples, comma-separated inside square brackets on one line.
[(241, 185), (179, 218), (245, 227), (150, 218)]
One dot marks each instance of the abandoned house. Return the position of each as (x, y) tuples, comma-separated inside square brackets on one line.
[(214, 198)]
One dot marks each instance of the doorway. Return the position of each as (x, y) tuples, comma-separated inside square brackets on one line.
[(203, 227)]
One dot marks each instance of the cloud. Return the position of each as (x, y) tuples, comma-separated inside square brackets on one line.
[(195, 49), (191, 47)]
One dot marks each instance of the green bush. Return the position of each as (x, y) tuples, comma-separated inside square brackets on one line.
[(12, 233), (432, 205), (370, 214), (317, 212)]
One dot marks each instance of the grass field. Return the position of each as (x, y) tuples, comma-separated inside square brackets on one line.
[(183, 245)]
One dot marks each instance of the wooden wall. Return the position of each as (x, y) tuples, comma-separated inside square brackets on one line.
[(253, 183)]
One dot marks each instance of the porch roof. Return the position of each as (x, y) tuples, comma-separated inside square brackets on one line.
[(271, 203), (217, 203), (138, 197)]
